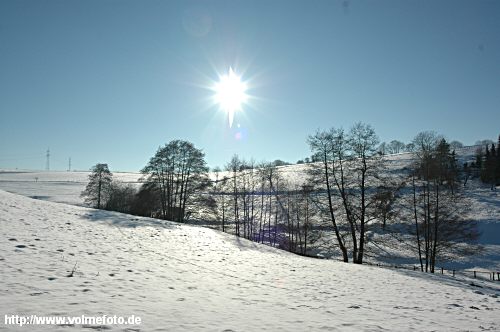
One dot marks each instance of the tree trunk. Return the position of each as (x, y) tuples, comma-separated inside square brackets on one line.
[(99, 191), (436, 221), (332, 214), (416, 224), (363, 213)]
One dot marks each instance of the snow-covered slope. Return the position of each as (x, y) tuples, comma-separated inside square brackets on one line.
[(185, 278), (66, 187)]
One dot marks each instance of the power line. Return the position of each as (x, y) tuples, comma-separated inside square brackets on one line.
[(47, 163)]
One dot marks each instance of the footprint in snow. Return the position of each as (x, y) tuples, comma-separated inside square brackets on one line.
[(96, 327)]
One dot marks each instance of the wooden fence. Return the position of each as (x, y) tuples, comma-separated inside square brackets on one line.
[(484, 275)]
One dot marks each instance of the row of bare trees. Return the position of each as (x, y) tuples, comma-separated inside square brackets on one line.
[(357, 191), (439, 209), (349, 196), (346, 199), (173, 180), (256, 202)]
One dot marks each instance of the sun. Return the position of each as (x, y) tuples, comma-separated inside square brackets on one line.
[(230, 94)]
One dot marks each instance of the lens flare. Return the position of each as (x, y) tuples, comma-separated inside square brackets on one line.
[(230, 94)]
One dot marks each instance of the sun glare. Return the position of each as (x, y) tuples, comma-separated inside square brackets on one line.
[(230, 94)]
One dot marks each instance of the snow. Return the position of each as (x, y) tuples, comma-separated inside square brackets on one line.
[(54, 186), (65, 187), (186, 278)]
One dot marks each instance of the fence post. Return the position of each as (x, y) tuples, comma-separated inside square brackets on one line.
[(441, 270), (453, 272), (474, 274)]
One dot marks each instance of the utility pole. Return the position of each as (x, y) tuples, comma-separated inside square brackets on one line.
[(47, 163), (69, 165)]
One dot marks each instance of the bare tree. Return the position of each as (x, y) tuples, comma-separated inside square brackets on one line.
[(330, 147), (179, 172), (382, 148), (121, 197), (456, 145), (235, 166), (350, 175), (439, 210), (97, 191), (363, 142), (220, 186), (395, 146)]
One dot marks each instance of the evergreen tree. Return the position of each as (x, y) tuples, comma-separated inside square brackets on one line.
[(497, 163), (498, 146), (488, 171), (479, 158)]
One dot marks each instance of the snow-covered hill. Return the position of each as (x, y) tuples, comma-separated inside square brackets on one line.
[(185, 278), (66, 187)]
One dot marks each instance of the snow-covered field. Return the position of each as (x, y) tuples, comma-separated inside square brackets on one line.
[(186, 278), (54, 186)]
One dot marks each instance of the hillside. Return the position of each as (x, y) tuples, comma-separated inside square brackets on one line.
[(484, 205), (185, 278)]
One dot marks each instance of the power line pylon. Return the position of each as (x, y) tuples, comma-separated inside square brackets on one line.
[(47, 163)]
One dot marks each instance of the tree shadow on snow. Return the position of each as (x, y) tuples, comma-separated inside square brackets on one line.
[(458, 281), (125, 220)]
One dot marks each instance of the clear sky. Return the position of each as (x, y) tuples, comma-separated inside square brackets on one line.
[(111, 81)]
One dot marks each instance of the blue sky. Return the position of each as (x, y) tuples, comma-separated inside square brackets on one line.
[(111, 81)]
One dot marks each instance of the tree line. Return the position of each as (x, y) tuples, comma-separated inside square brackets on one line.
[(486, 165), (347, 198)]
